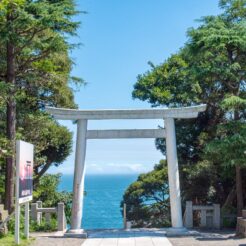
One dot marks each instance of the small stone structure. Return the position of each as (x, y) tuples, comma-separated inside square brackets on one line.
[(37, 213), (210, 215), (241, 224), (3, 218)]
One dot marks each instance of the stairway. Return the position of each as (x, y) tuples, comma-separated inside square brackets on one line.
[(241, 224)]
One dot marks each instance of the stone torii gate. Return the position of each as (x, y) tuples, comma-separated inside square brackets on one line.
[(168, 115)]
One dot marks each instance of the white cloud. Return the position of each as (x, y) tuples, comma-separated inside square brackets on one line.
[(63, 169), (116, 168), (115, 156), (105, 168)]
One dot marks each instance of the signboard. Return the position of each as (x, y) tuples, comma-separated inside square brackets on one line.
[(24, 171), (24, 184)]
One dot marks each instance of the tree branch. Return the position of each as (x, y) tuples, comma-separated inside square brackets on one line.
[(28, 42), (230, 198), (41, 173), (33, 59)]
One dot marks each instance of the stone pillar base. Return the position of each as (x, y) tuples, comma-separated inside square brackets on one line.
[(178, 231), (75, 233)]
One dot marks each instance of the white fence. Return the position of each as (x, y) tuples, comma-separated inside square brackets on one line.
[(37, 212)]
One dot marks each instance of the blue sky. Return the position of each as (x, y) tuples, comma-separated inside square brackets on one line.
[(119, 38)]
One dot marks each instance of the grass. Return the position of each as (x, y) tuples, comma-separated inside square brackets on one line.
[(9, 240)]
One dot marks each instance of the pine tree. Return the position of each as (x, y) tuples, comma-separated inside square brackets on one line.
[(34, 50)]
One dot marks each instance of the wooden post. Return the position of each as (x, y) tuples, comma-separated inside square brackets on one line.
[(17, 204), (17, 223), (124, 215), (27, 220)]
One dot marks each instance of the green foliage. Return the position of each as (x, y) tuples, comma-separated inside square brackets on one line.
[(229, 145), (229, 221), (234, 9), (210, 69), (194, 176), (34, 226), (11, 223), (47, 189), (234, 103), (38, 31), (147, 199), (44, 225), (9, 240), (53, 142), (4, 88), (167, 84), (4, 4), (48, 193)]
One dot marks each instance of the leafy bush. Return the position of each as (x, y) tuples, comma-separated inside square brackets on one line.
[(147, 199), (47, 193), (44, 225), (11, 223)]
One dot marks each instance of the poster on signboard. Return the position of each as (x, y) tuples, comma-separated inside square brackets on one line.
[(24, 171)]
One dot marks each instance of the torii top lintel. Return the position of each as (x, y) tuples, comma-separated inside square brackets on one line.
[(107, 114)]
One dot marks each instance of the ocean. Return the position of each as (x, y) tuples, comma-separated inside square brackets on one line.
[(102, 201)]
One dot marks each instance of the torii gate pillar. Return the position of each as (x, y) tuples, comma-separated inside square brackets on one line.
[(173, 177), (79, 174)]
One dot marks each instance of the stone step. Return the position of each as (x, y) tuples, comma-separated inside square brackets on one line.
[(2, 208), (241, 226), (244, 213), (3, 213)]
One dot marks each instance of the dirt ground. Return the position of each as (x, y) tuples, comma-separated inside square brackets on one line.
[(55, 239)]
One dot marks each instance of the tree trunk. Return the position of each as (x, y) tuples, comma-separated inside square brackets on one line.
[(41, 173), (230, 198), (239, 183), (11, 128), (239, 188)]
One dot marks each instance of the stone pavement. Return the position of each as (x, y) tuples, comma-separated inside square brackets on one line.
[(139, 237), (157, 237), (134, 237), (209, 238)]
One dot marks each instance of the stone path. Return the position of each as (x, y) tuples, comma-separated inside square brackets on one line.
[(137, 237), (210, 238)]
